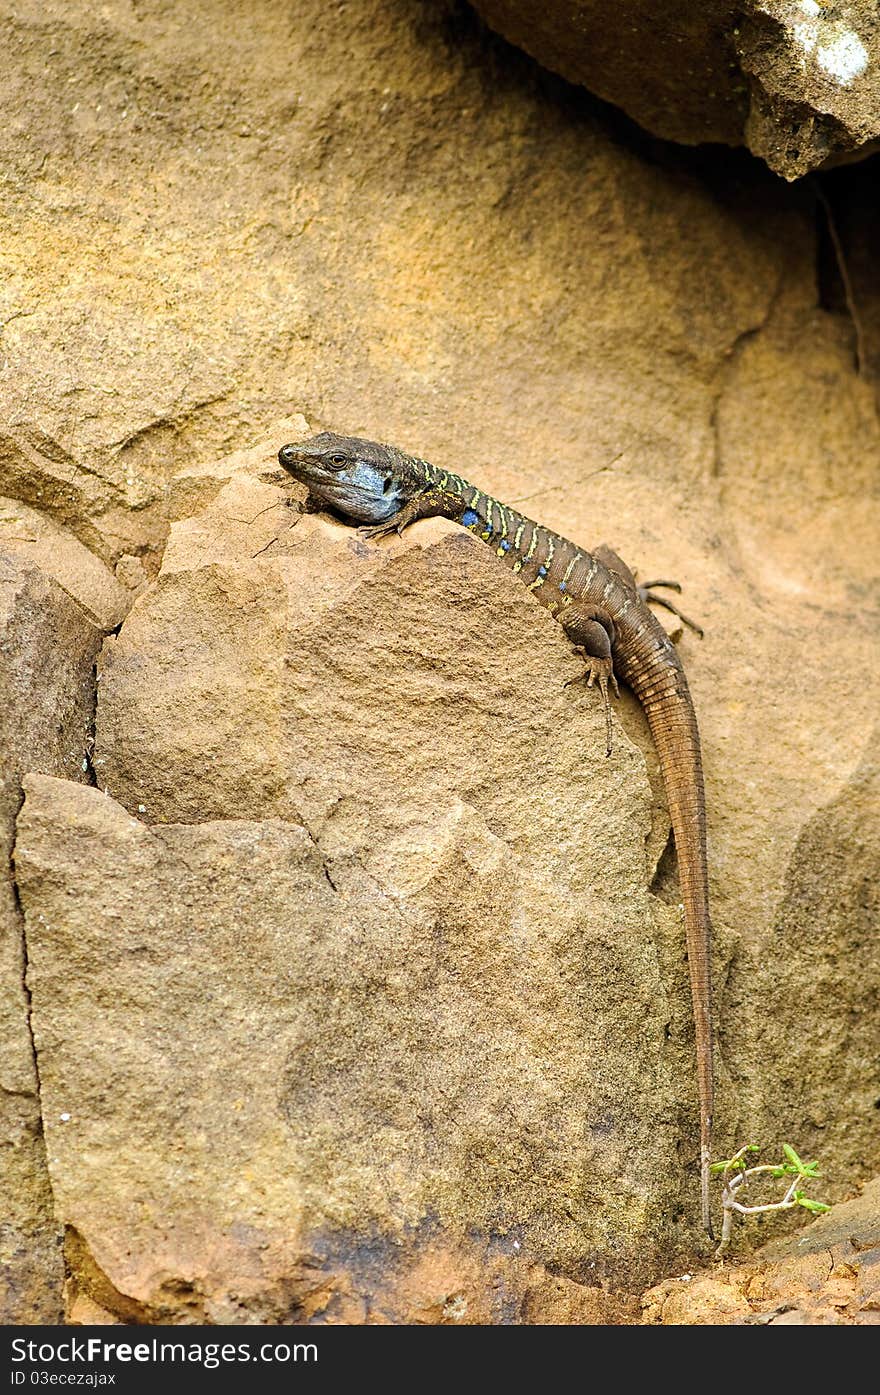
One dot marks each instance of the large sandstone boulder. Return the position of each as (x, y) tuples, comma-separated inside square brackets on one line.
[(436, 908), (794, 80), (310, 1096)]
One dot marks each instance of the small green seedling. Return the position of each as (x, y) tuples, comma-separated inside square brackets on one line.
[(736, 1175)]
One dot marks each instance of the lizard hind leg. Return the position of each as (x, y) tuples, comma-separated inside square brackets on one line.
[(592, 630), (599, 670), (645, 590)]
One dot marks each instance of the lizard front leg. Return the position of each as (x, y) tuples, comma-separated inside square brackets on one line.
[(592, 630), (426, 504)]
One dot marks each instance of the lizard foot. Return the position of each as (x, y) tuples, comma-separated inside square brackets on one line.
[(379, 530), (647, 594), (599, 670), (421, 505)]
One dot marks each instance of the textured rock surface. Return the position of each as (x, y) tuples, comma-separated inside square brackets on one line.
[(403, 702), (673, 69), (794, 80), (409, 710), (29, 535), (48, 645), (813, 71), (216, 216), (828, 1275), (316, 1100), (186, 261)]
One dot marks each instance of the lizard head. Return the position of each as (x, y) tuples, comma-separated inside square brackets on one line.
[(356, 478)]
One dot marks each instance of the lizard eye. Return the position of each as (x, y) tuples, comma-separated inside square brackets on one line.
[(338, 462)]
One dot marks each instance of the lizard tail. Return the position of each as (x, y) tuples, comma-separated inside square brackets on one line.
[(669, 709)]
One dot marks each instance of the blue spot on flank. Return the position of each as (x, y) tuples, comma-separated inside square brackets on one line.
[(470, 517), (562, 586), (542, 571), (505, 547)]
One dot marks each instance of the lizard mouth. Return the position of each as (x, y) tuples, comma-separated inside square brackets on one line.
[(288, 456), (297, 461)]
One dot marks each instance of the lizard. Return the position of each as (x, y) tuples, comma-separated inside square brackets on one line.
[(594, 597)]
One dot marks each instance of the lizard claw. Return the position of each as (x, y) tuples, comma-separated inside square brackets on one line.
[(647, 592), (599, 671), (377, 530)]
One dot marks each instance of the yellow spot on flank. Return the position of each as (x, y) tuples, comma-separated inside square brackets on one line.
[(486, 536), (535, 584), (443, 481)]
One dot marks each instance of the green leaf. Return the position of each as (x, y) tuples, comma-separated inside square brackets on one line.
[(781, 1171), (809, 1205), (792, 1156)]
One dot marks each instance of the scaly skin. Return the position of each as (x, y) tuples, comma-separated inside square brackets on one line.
[(595, 599)]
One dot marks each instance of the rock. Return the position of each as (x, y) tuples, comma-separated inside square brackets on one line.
[(48, 644), (848, 219), (673, 71), (405, 704), (282, 669), (696, 1302), (794, 80), (552, 1299), (32, 536), (37, 470), (167, 298), (812, 75), (407, 1124)]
